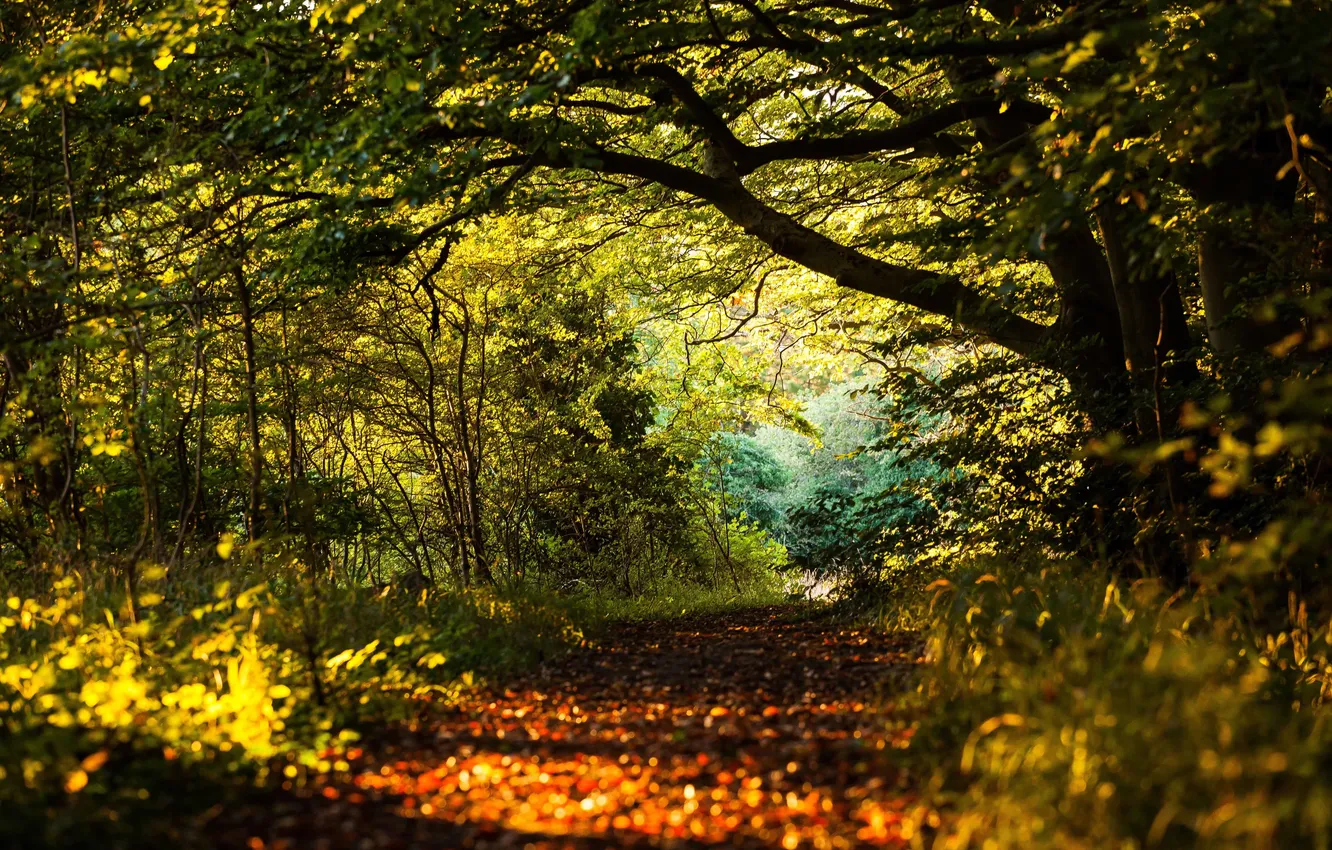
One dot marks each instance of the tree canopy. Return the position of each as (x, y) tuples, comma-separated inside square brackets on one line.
[(1130, 197)]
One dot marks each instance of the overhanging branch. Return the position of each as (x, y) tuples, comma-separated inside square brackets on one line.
[(941, 294)]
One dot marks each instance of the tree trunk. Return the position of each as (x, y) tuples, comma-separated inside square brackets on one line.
[(188, 510), (1151, 314), (1243, 208), (1089, 340), (253, 515), (1226, 269)]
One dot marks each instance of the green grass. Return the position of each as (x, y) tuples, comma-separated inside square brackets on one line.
[(682, 601)]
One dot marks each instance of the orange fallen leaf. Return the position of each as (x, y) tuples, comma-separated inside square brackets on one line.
[(76, 781), (94, 762)]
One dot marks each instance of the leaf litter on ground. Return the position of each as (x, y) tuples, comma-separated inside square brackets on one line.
[(748, 729)]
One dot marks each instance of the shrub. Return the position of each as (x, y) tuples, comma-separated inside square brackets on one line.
[(1080, 711), (105, 707)]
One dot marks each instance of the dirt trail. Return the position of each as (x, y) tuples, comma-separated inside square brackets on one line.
[(743, 730)]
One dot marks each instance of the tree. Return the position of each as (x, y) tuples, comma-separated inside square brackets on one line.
[(1032, 120), (1084, 185)]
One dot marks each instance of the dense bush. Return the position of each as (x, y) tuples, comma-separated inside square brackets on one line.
[(835, 497), (1081, 711), (1075, 696), (111, 713)]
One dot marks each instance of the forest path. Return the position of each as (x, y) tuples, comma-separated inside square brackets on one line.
[(749, 729)]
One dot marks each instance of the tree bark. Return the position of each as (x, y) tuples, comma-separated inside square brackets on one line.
[(1150, 309), (253, 512), (1154, 328), (1225, 268), (1242, 206)]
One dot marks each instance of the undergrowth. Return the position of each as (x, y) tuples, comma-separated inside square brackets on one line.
[(750, 570), (1063, 707), (684, 600), (112, 714)]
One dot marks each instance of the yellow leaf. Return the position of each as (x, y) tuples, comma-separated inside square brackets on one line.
[(94, 762), (145, 100), (1288, 343), (89, 77), (225, 545), (1085, 50), (1271, 439), (1101, 134), (354, 12), (164, 60), (148, 600), (76, 781)]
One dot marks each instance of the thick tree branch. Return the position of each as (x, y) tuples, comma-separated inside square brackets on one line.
[(712, 124), (607, 106), (925, 130), (941, 294), (861, 143)]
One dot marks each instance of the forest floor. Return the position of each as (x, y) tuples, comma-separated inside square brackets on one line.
[(748, 729)]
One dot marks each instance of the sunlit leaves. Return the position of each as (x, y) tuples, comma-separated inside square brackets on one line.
[(1058, 681)]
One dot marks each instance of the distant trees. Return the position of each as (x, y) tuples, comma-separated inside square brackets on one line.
[(840, 500)]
